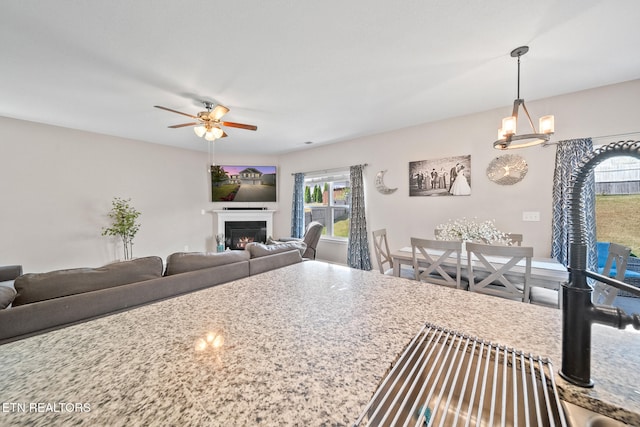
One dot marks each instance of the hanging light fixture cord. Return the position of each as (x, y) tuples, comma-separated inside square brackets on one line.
[(519, 75)]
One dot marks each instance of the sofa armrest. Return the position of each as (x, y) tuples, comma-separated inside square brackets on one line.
[(289, 239), (10, 272)]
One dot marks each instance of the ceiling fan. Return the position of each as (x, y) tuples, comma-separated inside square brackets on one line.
[(208, 123)]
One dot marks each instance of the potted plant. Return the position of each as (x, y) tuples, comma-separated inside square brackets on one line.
[(124, 225)]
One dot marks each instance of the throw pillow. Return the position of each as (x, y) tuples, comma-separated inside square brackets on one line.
[(182, 262), (7, 295)]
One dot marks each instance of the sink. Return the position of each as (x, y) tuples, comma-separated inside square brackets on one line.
[(579, 416), (445, 378)]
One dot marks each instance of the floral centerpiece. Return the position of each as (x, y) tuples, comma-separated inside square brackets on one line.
[(472, 230)]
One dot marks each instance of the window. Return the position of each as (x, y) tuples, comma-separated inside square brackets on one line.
[(327, 201), (618, 201)]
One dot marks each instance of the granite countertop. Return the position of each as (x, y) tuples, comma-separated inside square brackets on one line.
[(303, 345)]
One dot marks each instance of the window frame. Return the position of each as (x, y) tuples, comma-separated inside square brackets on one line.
[(330, 209)]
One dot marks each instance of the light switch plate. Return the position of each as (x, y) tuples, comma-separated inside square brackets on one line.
[(531, 216)]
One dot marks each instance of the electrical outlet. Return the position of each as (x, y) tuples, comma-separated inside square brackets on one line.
[(531, 216)]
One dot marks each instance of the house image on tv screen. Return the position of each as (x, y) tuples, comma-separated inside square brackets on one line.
[(252, 176), (243, 184)]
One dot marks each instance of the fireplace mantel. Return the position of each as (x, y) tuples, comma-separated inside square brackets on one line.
[(244, 215)]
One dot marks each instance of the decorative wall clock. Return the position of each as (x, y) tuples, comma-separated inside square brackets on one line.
[(507, 169)]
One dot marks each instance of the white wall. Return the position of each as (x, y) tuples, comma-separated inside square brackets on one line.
[(57, 184), (598, 112)]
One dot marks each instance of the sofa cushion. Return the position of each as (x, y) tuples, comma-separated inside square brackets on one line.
[(181, 262), (7, 295), (9, 272), (34, 287), (261, 264), (259, 249)]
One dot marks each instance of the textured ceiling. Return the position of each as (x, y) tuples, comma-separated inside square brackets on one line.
[(300, 70)]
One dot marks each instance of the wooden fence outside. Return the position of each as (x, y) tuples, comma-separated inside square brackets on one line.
[(620, 187)]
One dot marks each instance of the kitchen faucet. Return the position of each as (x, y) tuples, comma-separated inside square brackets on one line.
[(578, 311)]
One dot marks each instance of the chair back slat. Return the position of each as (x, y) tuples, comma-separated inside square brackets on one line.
[(437, 269), (381, 250), (498, 282), (606, 294)]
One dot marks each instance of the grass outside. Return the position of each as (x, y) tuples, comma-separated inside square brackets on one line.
[(617, 220), (340, 229), (223, 192)]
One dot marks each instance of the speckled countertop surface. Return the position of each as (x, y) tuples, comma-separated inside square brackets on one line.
[(303, 345)]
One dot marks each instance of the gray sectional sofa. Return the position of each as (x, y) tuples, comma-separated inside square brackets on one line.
[(47, 301)]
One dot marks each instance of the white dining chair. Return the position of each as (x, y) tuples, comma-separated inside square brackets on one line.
[(498, 277), (516, 239), (605, 294), (383, 256), (438, 261)]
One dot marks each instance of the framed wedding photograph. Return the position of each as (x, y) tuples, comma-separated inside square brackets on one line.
[(449, 176)]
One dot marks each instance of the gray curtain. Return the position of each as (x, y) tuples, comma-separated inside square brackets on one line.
[(358, 247), (568, 156), (297, 209)]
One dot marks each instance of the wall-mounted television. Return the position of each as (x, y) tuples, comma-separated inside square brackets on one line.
[(243, 183)]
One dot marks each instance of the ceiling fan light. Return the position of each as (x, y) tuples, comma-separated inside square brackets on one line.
[(209, 136), (546, 124), (217, 132), (200, 130)]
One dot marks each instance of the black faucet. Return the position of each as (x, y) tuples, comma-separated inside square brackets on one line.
[(578, 312)]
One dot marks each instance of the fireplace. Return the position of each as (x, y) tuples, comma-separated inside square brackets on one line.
[(241, 226), (239, 233)]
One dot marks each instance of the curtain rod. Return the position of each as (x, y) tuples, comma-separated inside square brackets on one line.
[(329, 170), (546, 144)]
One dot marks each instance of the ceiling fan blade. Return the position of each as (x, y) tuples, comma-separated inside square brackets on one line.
[(223, 134), (175, 111), (218, 112), (239, 125), (183, 125)]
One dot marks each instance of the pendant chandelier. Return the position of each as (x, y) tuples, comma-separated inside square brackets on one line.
[(507, 135)]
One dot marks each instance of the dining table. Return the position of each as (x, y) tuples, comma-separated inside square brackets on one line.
[(545, 272)]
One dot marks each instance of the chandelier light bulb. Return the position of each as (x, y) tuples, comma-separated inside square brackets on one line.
[(546, 124), (509, 126)]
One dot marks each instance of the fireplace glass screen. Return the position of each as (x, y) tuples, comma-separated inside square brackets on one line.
[(239, 233)]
